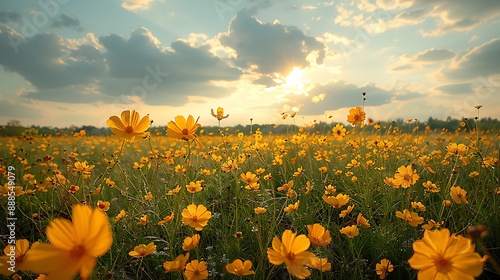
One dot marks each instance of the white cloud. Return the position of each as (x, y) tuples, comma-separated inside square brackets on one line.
[(136, 5)]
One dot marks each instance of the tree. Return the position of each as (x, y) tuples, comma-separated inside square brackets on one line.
[(13, 123)]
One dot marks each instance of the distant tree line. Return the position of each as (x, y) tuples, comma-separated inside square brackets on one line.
[(14, 127)]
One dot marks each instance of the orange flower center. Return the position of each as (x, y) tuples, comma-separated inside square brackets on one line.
[(194, 218), (185, 131), (291, 256), (129, 129), (197, 272), (443, 265), (78, 251), (407, 177), (142, 252)]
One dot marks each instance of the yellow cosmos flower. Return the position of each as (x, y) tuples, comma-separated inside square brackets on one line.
[(411, 217), (196, 270), (338, 131), (259, 210), (345, 212), (191, 242), (350, 231), (19, 250), (405, 176), (360, 220), (356, 115), (220, 114), (194, 187), (318, 235), (336, 201), (103, 205), (120, 216), (383, 268), (455, 149), (240, 268), (129, 126), (184, 129), (459, 195), (196, 216), (321, 264), (249, 178), (167, 220), (176, 265), (418, 206), (431, 224), (142, 250), (292, 207), (439, 255), (143, 220), (291, 250), (74, 246)]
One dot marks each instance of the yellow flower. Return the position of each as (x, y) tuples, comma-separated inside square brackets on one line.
[(455, 149), (431, 187), (286, 186), (196, 216), (321, 264), (148, 196), (184, 129), (196, 270), (74, 246), (338, 131), (293, 252), (259, 210), (73, 189), (194, 187), (350, 231), (411, 217), (103, 205), (345, 212), (120, 216), (18, 251), (405, 177), (431, 224), (336, 201), (176, 265), (142, 250), (356, 115), (318, 235), (292, 207), (176, 190), (220, 114), (143, 221), (167, 220), (362, 221), (439, 255), (459, 195), (191, 242), (240, 268), (418, 206), (383, 268), (128, 126), (83, 167)]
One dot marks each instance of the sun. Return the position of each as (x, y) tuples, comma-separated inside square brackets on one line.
[(295, 82)]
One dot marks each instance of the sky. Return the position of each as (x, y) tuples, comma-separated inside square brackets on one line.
[(69, 62)]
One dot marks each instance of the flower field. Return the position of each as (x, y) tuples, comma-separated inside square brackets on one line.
[(344, 203)]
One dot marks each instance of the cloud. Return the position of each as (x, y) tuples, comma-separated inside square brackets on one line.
[(20, 109), (417, 61), (336, 95), (136, 5), (461, 88), (480, 61), (9, 17), (67, 21), (46, 62), (270, 48), (117, 70)]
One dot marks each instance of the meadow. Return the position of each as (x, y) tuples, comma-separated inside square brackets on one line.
[(342, 203)]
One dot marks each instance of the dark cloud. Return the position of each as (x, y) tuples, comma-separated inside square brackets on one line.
[(9, 17), (45, 61), (270, 47), (338, 95), (462, 88), (476, 62), (19, 110), (432, 55), (67, 21)]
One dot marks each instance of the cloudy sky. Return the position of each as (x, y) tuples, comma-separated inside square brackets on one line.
[(68, 62)]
